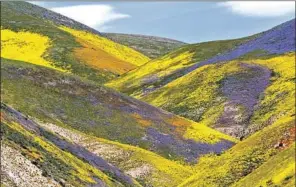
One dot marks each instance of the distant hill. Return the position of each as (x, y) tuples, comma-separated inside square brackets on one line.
[(150, 46)]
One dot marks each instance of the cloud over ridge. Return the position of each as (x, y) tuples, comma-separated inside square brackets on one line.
[(260, 8), (95, 16)]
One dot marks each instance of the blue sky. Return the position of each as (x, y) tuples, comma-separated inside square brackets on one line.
[(187, 21)]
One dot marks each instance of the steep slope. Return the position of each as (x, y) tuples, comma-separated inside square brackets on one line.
[(279, 170), (163, 70), (63, 99), (150, 46), (25, 27)]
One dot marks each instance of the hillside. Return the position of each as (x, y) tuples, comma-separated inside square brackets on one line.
[(159, 72), (267, 158), (221, 95), (63, 156), (79, 109), (62, 99), (26, 27), (150, 46), (247, 91), (23, 8), (229, 96), (29, 150)]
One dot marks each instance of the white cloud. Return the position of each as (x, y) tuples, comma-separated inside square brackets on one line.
[(261, 8), (95, 16), (39, 3)]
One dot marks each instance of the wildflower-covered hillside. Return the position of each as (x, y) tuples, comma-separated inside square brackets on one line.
[(70, 47), (159, 72), (226, 91), (214, 114), (60, 98)]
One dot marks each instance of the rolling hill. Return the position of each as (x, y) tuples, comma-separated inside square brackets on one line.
[(63, 156), (159, 72), (221, 95), (150, 46), (29, 150), (86, 106), (61, 42), (245, 90)]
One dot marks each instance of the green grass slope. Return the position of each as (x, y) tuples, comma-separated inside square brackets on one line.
[(22, 18), (150, 46), (63, 99), (31, 10), (158, 72)]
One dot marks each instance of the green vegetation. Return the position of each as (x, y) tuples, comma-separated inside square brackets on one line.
[(198, 95), (150, 46), (85, 134), (273, 122)]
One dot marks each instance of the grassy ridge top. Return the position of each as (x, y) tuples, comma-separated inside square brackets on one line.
[(29, 10), (150, 46)]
